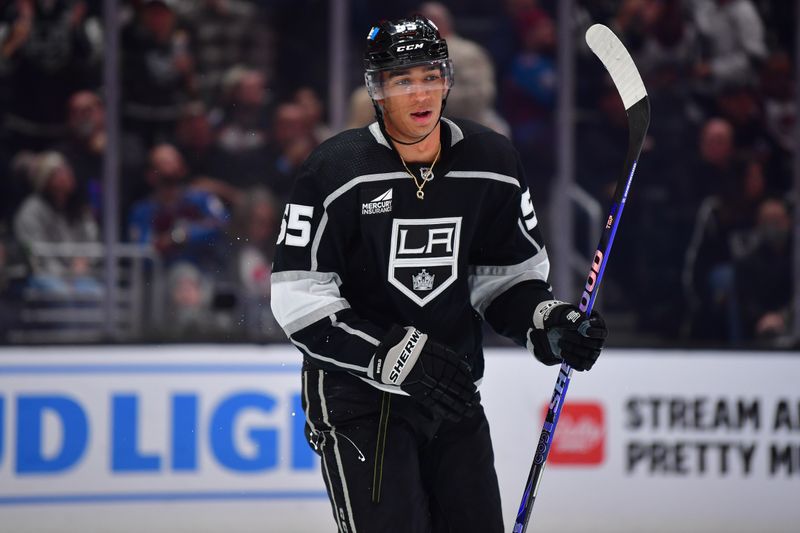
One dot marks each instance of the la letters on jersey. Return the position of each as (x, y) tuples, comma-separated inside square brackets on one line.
[(423, 258)]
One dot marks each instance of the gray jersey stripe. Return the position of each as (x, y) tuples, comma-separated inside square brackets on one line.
[(338, 455), (306, 350), (456, 135), (296, 275), (352, 331), (376, 132), (475, 174), (488, 282), (293, 327), (325, 469), (367, 178)]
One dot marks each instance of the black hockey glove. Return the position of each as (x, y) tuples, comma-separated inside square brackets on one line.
[(428, 371), (561, 331)]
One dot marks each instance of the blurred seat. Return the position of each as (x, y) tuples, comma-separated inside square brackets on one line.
[(77, 312)]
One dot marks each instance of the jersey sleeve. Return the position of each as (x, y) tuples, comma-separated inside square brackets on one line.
[(309, 269), (508, 276)]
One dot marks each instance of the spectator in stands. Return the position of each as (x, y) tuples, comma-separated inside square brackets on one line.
[(245, 129), (667, 51), (732, 37), (223, 33), (764, 276), (740, 105), (190, 297), (476, 92), (530, 98), (780, 117), (293, 141), (254, 230), (85, 145), (360, 111), (196, 138), (55, 214), (720, 237), (606, 133), (17, 185), (157, 72), (52, 54), (309, 100), (668, 42), (714, 161), (181, 222)]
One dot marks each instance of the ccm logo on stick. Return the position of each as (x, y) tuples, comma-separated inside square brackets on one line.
[(581, 435)]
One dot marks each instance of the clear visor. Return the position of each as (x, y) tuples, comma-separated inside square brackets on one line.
[(424, 77)]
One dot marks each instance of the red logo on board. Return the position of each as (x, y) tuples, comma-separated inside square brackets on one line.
[(580, 435)]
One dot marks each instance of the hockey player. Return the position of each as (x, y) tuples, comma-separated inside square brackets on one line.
[(399, 241)]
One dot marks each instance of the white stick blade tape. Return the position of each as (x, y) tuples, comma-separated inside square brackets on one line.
[(615, 57)]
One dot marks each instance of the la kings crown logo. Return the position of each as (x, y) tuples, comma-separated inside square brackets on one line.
[(423, 281), (423, 259)]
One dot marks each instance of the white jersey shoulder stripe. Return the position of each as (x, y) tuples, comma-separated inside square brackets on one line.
[(366, 178), (376, 132), (476, 174), (456, 135)]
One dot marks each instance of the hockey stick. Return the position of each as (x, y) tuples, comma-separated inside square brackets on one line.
[(608, 48)]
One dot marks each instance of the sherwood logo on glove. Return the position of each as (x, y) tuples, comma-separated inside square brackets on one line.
[(401, 357), (408, 349)]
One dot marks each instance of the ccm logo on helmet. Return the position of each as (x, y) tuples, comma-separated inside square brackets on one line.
[(408, 47)]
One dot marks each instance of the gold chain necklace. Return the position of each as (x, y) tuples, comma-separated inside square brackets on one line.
[(425, 176)]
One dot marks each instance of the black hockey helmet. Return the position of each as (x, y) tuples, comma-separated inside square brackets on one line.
[(404, 43)]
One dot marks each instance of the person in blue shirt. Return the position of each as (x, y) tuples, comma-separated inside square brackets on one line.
[(181, 222)]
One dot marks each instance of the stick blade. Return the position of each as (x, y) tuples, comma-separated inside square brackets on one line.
[(618, 62)]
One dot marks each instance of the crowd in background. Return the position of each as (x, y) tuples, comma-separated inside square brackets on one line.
[(222, 100)]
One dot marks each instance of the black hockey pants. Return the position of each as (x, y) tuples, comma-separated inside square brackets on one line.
[(390, 466)]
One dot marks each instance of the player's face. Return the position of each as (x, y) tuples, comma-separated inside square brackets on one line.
[(412, 101)]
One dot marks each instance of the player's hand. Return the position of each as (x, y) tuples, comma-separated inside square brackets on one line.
[(562, 332), (428, 371)]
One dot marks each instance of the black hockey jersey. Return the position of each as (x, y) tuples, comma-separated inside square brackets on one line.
[(359, 252)]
